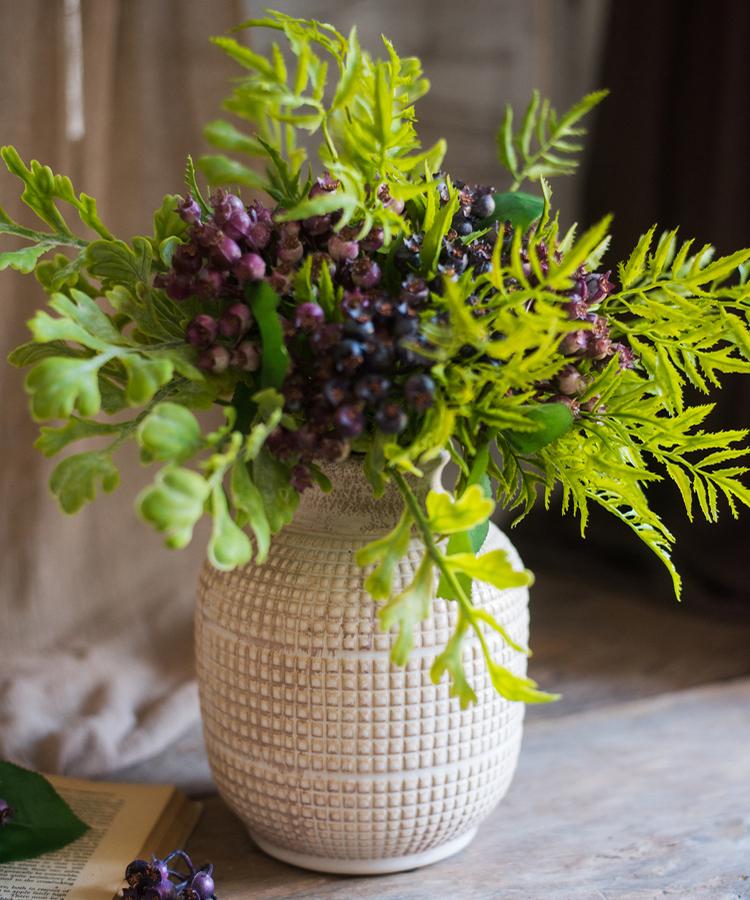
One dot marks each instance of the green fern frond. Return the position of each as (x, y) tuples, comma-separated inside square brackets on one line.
[(546, 144)]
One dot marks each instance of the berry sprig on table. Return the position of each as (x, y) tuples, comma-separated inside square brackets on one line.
[(155, 880)]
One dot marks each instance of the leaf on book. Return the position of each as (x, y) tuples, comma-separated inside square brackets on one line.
[(43, 821)]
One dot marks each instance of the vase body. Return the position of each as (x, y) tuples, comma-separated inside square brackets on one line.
[(334, 758)]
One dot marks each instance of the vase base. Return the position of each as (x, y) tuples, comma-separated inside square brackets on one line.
[(366, 866)]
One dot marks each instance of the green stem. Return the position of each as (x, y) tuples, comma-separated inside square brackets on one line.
[(420, 520), (437, 557), (328, 139), (41, 237)]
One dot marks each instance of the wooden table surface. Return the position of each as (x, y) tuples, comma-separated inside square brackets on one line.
[(648, 799), (635, 786)]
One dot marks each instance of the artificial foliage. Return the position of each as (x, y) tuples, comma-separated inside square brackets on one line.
[(365, 304)]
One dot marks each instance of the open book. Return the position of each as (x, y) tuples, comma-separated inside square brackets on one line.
[(127, 821)]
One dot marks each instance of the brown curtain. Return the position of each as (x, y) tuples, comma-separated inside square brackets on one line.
[(150, 80)]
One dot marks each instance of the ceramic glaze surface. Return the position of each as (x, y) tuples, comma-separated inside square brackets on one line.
[(321, 746)]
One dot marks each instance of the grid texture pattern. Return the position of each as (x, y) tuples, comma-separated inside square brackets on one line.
[(315, 739)]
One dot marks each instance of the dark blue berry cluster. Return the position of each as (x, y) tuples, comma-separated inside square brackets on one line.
[(155, 880)]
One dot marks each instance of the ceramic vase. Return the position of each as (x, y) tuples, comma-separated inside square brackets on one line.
[(334, 758)]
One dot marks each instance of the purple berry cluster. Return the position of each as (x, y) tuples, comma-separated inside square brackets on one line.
[(155, 880), (352, 376), (222, 254), (590, 348), (364, 365), (6, 813)]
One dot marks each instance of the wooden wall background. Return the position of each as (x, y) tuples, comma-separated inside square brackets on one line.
[(150, 80)]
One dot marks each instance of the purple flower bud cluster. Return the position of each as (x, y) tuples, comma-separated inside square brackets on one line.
[(6, 813), (155, 880)]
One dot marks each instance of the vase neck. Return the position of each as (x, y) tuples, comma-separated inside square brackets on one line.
[(350, 508)]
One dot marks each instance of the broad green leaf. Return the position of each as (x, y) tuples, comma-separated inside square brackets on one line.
[(46, 328), (145, 376), (493, 568), (29, 353), (167, 221), (224, 135), (112, 394), (59, 386), (25, 259), (458, 543), (478, 534), (39, 189), (229, 546), (520, 209), (53, 440), (220, 169), (517, 688), (174, 503), (74, 480), (263, 301), (553, 421), (269, 405), (248, 502), (169, 433), (448, 516), (482, 615), (374, 463), (152, 311), (385, 554), (406, 610), (42, 821), (450, 660), (280, 500), (81, 309), (115, 263)]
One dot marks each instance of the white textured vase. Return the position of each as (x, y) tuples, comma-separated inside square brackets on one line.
[(335, 759)]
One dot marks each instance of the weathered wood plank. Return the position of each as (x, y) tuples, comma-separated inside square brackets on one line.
[(639, 800)]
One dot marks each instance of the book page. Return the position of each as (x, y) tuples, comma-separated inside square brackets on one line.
[(122, 819)]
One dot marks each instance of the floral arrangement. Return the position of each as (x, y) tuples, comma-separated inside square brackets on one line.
[(370, 306)]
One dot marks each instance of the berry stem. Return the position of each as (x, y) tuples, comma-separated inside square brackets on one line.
[(42, 237), (329, 141)]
